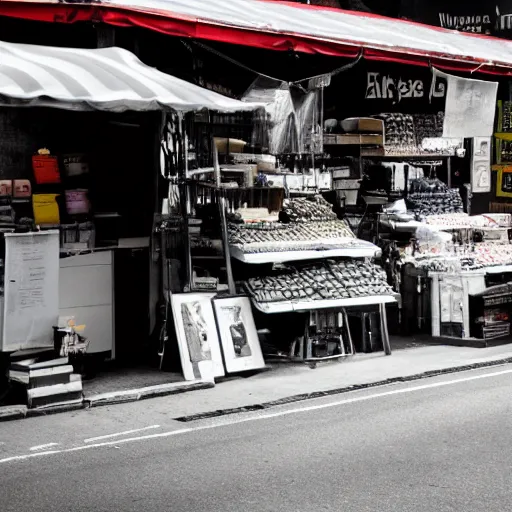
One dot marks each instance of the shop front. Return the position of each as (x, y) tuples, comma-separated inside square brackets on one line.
[(82, 179), (360, 200)]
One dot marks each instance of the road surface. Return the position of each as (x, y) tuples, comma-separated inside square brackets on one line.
[(440, 444)]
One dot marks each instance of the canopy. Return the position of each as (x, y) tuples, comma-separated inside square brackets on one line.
[(283, 26), (110, 79)]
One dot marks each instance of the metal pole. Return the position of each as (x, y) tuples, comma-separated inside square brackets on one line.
[(225, 241), (221, 200)]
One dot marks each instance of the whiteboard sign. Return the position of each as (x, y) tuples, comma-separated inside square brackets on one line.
[(31, 290)]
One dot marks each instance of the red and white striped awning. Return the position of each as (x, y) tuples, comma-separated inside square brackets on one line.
[(110, 79), (284, 26)]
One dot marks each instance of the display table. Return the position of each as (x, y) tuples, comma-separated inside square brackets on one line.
[(365, 250)]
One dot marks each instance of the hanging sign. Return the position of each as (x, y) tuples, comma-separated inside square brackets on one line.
[(470, 106)]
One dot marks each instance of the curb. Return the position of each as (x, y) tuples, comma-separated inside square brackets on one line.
[(339, 391), (133, 395), (13, 412), (18, 412)]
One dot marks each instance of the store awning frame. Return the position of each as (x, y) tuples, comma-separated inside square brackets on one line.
[(285, 26), (108, 79)]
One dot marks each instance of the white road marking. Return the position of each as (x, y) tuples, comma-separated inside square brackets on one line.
[(118, 434), (42, 447), (256, 418)]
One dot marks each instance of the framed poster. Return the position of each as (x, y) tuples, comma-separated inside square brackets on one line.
[(238, 335), (504, 182), (31, 308), (197, 337), (481, 165)]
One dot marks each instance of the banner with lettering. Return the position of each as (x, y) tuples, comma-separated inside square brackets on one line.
[(490, 18), (372, 88)]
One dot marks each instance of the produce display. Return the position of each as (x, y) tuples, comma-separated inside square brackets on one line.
[(474, 257), (432, 197), (329, 280), (276, 237), (307, 210)]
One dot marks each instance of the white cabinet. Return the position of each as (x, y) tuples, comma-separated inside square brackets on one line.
[(450, 298), (86, 286)]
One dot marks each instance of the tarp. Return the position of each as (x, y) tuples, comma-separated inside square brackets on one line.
[(284, 26), (110, 79)]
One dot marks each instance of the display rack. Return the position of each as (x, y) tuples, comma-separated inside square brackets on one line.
[(295, 306), (371, 251)]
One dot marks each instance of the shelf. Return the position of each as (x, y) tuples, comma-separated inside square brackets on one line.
[(292, 306), (428, 156), (404, 227), (199, 257), (372, 251), (498, 269)]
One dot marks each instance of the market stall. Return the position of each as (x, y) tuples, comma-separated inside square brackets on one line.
[(77, 216)]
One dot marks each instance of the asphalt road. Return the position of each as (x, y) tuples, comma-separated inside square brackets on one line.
[(439, 444)]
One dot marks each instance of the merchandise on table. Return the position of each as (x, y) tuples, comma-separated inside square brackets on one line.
[(424, 201), (307, 210), (399, 130), (471, 257), (274, 237), (322, 281)]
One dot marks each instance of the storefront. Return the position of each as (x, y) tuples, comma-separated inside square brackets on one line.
[(301, 233), (83, 176)]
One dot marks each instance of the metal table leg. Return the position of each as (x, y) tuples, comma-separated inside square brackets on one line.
[(347, 330), (384, 329)]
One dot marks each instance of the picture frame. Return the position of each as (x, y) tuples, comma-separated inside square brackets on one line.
[(238, 335), (197, 337)]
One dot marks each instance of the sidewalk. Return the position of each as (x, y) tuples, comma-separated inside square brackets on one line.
[(293, 381)]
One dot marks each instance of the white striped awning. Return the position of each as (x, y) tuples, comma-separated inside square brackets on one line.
[(110, 79)]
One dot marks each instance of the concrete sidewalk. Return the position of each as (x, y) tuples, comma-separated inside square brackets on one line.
[(294, 381)]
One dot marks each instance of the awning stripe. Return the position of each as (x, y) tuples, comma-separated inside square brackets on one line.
[(110, 79)]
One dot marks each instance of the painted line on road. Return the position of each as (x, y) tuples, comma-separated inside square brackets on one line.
[(255, 418), (42, 447), (118, 434)]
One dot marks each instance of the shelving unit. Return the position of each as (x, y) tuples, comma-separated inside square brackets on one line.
[(365, 250), (291, 306)]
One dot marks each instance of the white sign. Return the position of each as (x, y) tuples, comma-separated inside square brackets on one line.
[(470, 107), (31, 306)]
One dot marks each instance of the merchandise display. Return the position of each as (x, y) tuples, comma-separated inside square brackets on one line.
[(433, 197), (306, 225), (275, 237), (344, 279), (307, 210)]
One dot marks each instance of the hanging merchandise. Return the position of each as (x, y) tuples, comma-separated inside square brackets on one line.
[(309, 123), (77, 202), (22, 189), (46, 209), (75, 165), (46, 167), (281, 119), (470, 106), (5, 188)]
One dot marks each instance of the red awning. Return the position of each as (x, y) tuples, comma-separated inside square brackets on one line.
[(285, 26)]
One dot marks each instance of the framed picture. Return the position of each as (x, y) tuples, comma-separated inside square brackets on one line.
[(504, 184), (197, 336), (238, 335)]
